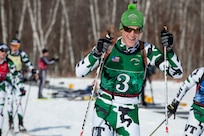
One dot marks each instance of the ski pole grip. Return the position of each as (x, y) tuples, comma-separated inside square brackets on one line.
[(164, 30), (108, 36)]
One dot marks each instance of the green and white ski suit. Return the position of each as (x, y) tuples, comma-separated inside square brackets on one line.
[(15, 89), (116, 107), (195, 123), (7, 68)]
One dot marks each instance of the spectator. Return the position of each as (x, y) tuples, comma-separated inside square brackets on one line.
[(43, 65)]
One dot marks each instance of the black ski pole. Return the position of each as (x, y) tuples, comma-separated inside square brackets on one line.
[(165, 80), (92, 92), (150, 82), (28, 94), (170, 114), (100, 67)]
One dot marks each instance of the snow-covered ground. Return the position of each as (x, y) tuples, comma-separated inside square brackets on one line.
[(63, 117)]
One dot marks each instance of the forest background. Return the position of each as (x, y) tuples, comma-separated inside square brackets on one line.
[(70, 28)]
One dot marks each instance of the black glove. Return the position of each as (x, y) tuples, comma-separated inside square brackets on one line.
[(166, 39), (33, 71), (52, 59), (101, 47), (56, 59), (173, 106), (24, 79), (23, 91), (33, 78)]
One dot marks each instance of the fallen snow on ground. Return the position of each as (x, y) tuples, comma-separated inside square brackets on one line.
[(63, 117)]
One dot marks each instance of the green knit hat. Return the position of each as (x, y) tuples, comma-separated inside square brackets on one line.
[(132, 17)]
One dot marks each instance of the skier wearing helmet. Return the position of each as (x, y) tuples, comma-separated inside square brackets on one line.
[(6, 67), (19, 58)]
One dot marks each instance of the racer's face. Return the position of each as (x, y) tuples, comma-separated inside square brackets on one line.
[(14, 47), (46, 54), (3, 53), (130, 35)]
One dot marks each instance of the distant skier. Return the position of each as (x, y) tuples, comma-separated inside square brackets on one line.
[(6, 67), (122, 76), (195, 123), (19, 58), (43, 65)]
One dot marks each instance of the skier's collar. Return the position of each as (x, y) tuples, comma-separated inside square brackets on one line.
[(15, 53), (129, 49)]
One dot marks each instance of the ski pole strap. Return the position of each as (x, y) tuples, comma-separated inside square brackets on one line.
[(143, 53), (144, 57)]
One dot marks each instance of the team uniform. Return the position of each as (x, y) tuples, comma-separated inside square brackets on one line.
[(122, 77), (17, 88), (195, 123), (6, 67)]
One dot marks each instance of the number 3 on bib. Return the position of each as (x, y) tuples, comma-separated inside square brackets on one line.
[(123, 79)]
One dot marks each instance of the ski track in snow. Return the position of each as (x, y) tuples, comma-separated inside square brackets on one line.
[(63, 117)]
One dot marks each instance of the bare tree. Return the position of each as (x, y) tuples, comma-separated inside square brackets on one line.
[(146, 12), (20, 29), (183, 15), (114, 12), (3, 22), (33, 25), (201, 53), (94, 18), (68, 34)]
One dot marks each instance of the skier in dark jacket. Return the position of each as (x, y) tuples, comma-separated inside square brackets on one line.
[(43, 65)]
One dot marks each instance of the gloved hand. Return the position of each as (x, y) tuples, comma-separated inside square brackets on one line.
[(101, 47), (52, 59), (173, 106), (56, 59), (24, 79), (23, 91), (166, 39), (33, 71), (33, 78)]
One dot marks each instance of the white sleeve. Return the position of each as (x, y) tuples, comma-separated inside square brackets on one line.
[(192, 80), (86, 65), (156, 57)]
